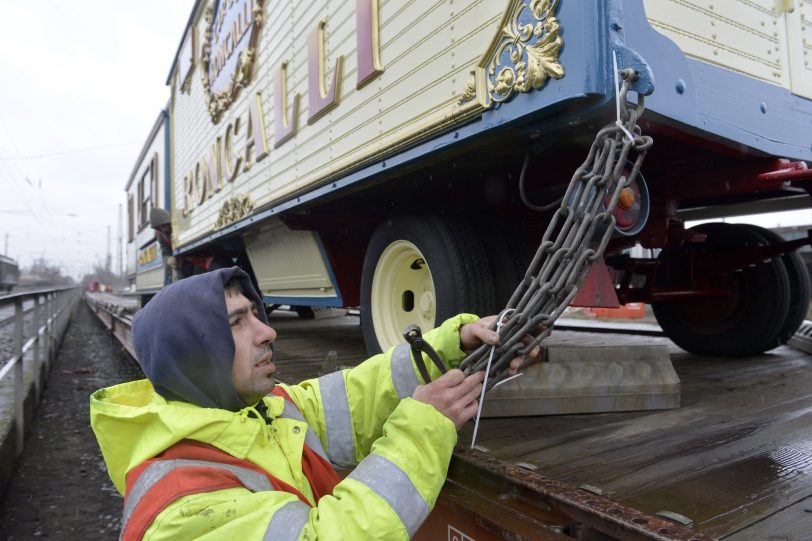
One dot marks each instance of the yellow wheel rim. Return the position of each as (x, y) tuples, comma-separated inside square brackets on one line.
[(402, 293)]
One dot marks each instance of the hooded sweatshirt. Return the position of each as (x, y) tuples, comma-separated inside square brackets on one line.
[(362, 417), (183, 340)]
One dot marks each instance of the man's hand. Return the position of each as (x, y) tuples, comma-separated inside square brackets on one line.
[(474, 334), (453, 395)]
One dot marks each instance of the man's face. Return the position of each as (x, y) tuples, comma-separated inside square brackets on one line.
[(252, 372)]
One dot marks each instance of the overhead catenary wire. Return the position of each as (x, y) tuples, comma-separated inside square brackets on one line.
[(44, 238), (69, 151)]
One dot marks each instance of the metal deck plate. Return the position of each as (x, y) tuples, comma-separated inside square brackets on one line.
[(802, 339), (577, 377)]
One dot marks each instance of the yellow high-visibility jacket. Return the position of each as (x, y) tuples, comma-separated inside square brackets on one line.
[(362, 417)]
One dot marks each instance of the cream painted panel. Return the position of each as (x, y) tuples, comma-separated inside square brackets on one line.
[(129, 270), (428, 50), (151, 279), (743, 35), (288, 263), (373, 120), (312, 147), (799, 35), (441, 82)]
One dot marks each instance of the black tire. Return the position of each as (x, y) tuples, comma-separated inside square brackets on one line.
[(746, 323), (800, 288), (457, 265), (509, 254), (304, 312)]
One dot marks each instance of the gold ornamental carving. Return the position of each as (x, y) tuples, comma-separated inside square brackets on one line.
[(525, 53), (228, 51), (233, 209), (469, 90)]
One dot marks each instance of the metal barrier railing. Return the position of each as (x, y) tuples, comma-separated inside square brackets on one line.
[(52, 309)]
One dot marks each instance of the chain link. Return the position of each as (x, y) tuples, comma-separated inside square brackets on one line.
[(581, 229)]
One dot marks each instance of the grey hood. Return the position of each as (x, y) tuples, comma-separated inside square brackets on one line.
[(183, 339)]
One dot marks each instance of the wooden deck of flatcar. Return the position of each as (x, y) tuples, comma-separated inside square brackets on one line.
[(736, 457), (738, 450), (302, 345)]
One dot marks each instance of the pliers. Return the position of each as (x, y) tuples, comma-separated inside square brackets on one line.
[(414, 337)]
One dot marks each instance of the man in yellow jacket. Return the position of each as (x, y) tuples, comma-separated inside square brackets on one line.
[(209, 447)]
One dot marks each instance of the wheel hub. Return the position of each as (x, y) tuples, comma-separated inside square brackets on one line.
[(402, 293)]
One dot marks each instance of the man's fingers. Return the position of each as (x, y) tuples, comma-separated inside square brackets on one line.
[(515, 365), (453, 395), (533, 353), (473, 394), (452, 378), (471, 382), (474, 334), (487, 336), (469, 411)]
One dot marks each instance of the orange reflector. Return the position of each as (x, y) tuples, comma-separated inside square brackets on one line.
[(626, 199)]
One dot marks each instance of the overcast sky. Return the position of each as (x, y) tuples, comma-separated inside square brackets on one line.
[(81, 84)]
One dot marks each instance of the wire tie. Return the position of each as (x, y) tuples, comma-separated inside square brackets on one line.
[(499, 323), (619, 122)]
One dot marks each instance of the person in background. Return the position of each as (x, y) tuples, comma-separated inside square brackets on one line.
[(209, 446)]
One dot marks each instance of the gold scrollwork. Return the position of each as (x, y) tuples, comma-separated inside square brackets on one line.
[(526, 52), (218, 102), (469, 90), (233, 209)]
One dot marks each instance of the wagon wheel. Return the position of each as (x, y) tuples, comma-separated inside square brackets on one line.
[(421, 269), (799, 285), (746, 322)]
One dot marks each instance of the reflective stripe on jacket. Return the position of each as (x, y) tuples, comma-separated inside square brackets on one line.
[(187, 468), (360, 416), (191, 467)]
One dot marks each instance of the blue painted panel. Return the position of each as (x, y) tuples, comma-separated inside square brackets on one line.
[(716, 103), (157, 262), (167, 182), (167, 168), (327, 302), (148, 266), (339, 298), (591, 31)]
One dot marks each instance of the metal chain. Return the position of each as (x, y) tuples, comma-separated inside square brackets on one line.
[(581, 227)]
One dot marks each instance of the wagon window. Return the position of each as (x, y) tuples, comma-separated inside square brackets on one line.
[(144, 197), (153, 168)]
